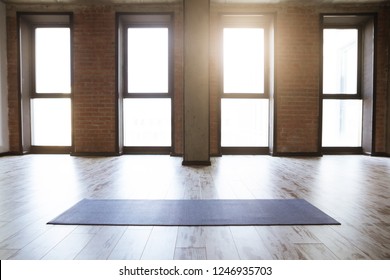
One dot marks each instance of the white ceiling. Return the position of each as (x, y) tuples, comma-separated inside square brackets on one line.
[(173, 1)]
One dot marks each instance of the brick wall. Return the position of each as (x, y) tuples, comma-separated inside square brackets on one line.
[(382, 82), (94, 73), (297, 73), (13, 81), (297, 79), (94, 79)]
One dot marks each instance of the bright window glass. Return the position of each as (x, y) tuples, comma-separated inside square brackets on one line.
[(244, 122), (342, 123), (147, 60), (147, 122), (51, 121), (340, 61), (52, 60), (243, 60)]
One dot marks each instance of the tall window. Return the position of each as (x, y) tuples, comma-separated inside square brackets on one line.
[(50, 103), (146, 82), (245, 90), (46, 83), (342, 104)]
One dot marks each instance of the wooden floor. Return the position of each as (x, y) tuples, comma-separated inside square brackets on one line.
[(355, 190)]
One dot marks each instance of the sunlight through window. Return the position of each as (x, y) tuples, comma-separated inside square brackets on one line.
[(244, 116), (244, 122), (342, 123), (341, 118), (147, 58), (51, 117), (147, 122), (340, 61), (52, 60), (243, 60), (51, 121)]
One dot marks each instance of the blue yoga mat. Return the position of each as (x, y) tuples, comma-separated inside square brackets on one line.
[(226, 212)]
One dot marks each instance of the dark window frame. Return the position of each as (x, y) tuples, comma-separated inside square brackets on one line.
[(249, 20), (366, 23), (142, 20), (34, 93), (167, 94), (136, 20), (28, 22), (358, 94)]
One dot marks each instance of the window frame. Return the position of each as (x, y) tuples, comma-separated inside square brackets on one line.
[(28, 22), (126, 82), (366, 24), (34, 93), (146, 21), (358, 94), (142, 20), (248, 21)]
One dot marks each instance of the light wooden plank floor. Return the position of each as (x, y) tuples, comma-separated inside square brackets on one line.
[(353, 189)]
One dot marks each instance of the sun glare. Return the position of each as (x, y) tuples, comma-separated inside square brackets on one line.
[(147, 58), (52, 60), (51, 117), (243, 60)]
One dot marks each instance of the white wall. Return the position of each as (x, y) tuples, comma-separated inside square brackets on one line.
[(4, 142)]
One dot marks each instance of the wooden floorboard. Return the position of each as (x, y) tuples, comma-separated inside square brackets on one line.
[(161, 244), (132, 244), (101, 245), (353, 189), (190, 253)]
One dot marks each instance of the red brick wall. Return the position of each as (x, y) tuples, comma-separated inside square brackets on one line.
[(94, 79), (297, 79), (297, 73), (382, 82), (94, 72), (13, 81)]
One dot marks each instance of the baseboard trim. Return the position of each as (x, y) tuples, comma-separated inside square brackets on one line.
[(176, 155), (343, 151), (147, 150), (195, 163), (245, 151), (49, 150), (216, 155), (296, 154), (94, 154), (380, 154)]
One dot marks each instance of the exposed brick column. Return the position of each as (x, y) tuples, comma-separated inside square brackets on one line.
[(94, 111)]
